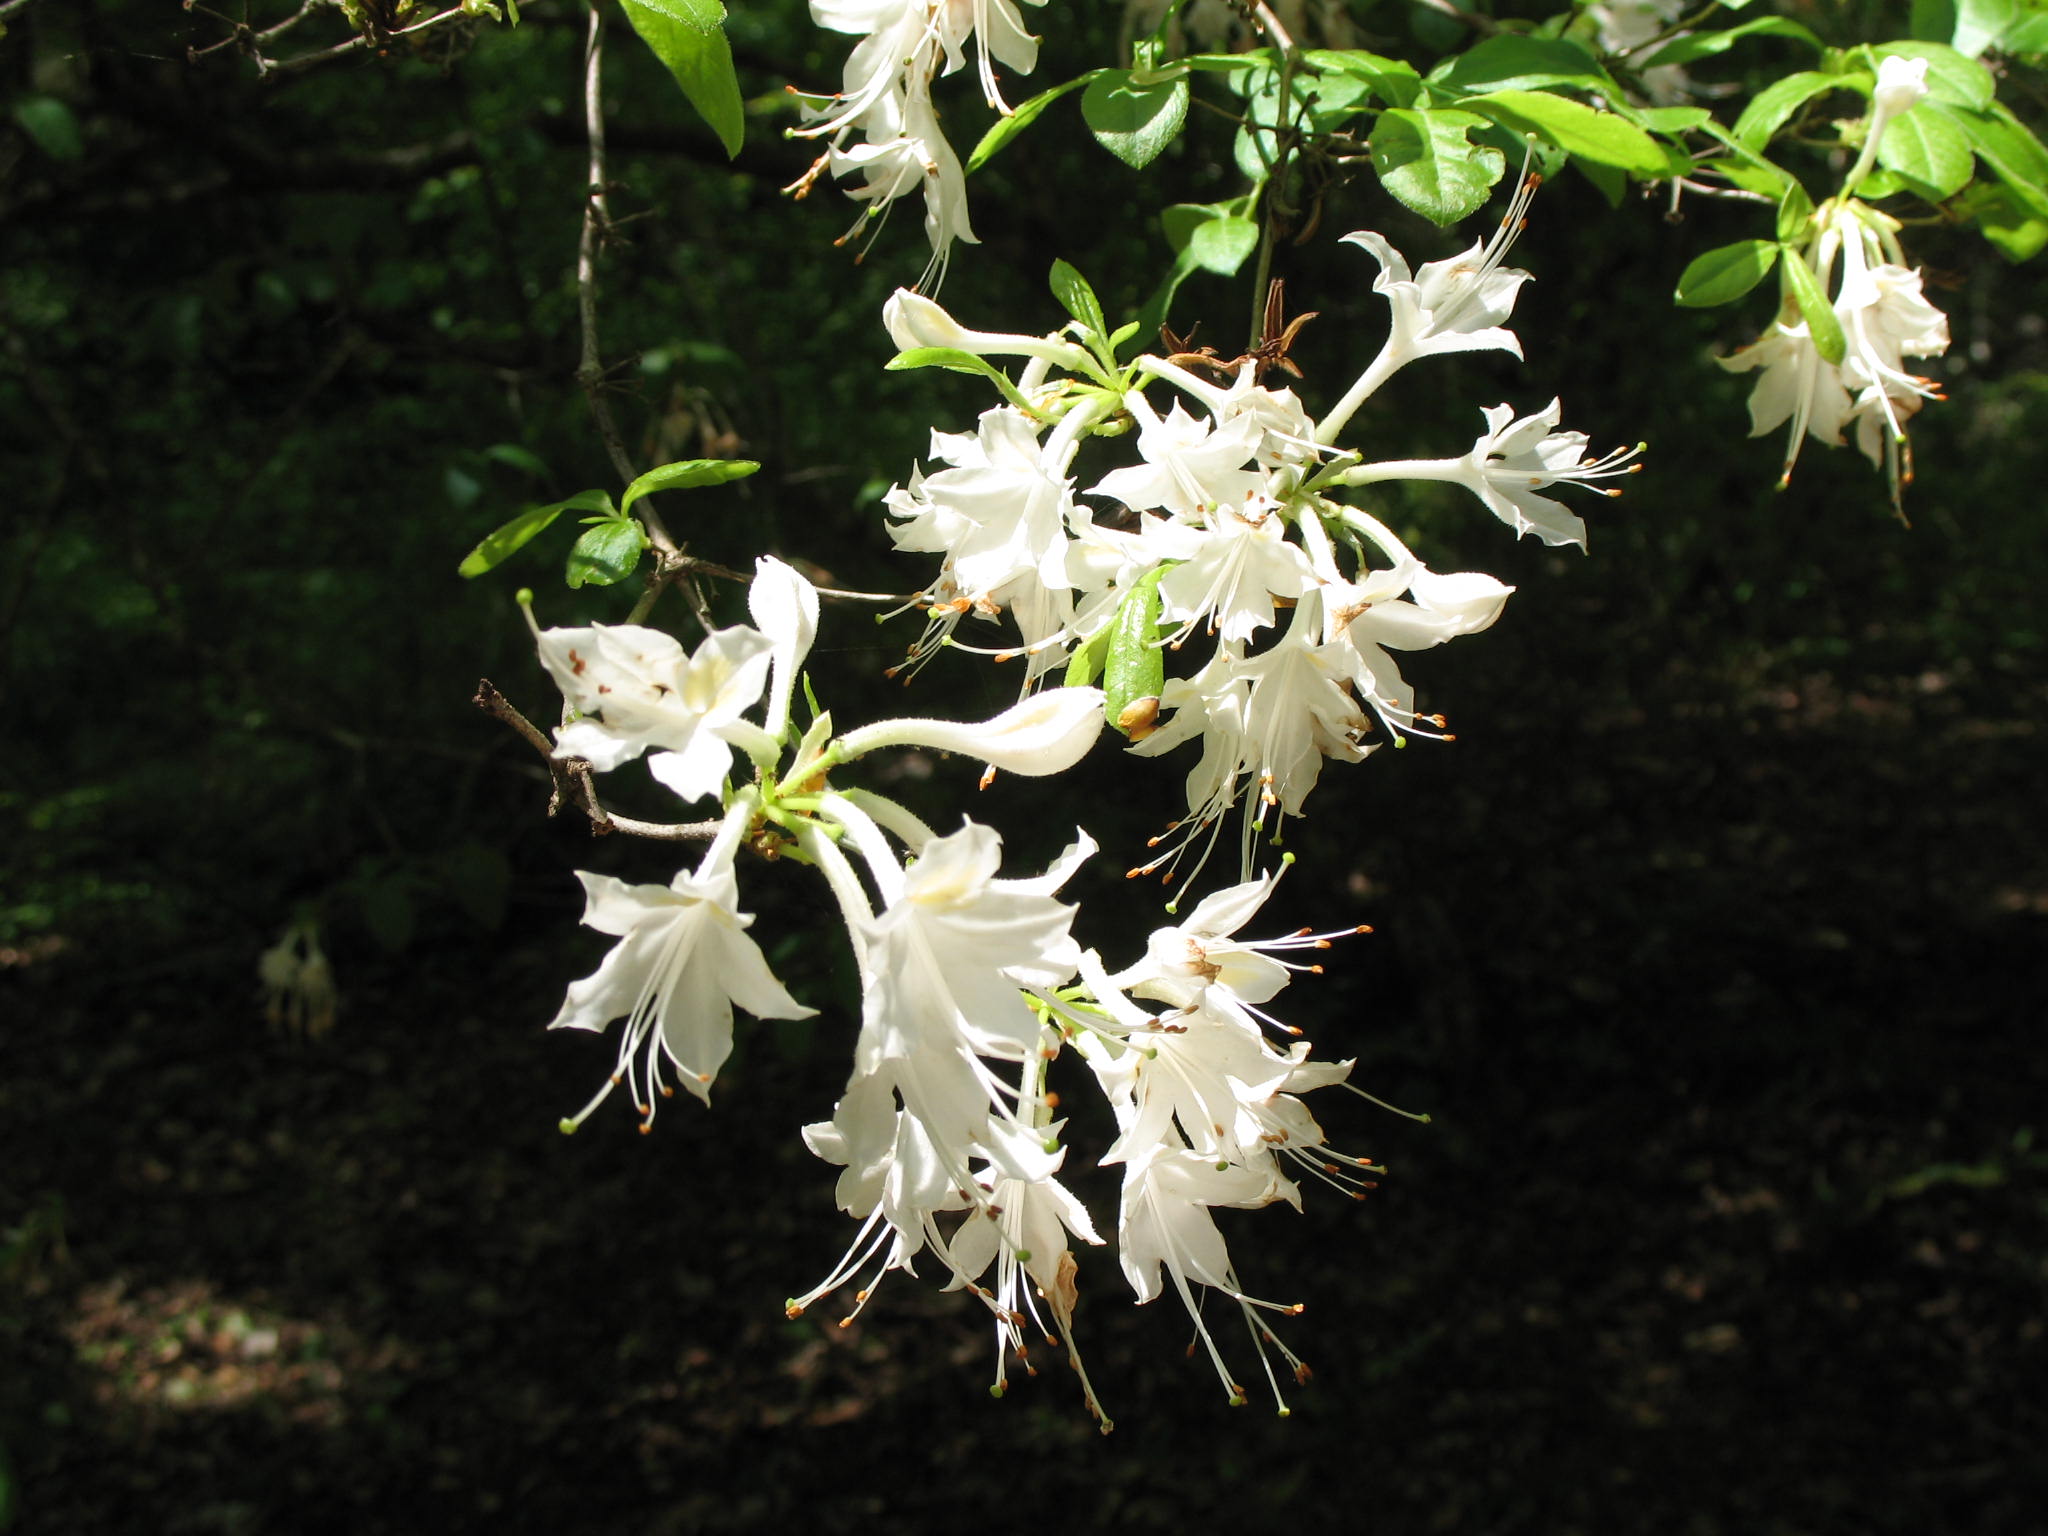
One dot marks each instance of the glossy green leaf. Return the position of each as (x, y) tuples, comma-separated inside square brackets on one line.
[(2006, 145), (1814, 308), (1601, 137), (1077, 298), (606, 552), (687, 474), (1392, 80), (1027, 113), (506, 540), (1426, 160), (1511, 61), (1135, 122), (1930, 151), (1772, 107), (1726, 273), (2015, 230), (1222, 245), (689, 37), (1701, 45)]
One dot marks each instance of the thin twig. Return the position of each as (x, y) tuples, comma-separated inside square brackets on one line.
[(572, 780), (271, 69)]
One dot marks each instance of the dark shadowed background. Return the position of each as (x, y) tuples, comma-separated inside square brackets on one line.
[(1713, 945)]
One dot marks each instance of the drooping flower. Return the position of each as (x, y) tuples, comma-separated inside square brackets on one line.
[(682, 961)]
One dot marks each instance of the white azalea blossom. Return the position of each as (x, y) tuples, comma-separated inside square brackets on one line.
[(637, 691), (682, 961)]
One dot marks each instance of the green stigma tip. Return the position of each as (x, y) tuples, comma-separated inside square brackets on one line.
[(523, 597), (566, 1127)]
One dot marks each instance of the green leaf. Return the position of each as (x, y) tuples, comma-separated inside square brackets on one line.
[(1134, 122), (686, 474), (1929, 151), (1674, 120), (522, 459), (2016, 230), (2005, 144), (1134, 666), (1425, 160), (1805, 289), (1932, 20), (508, 539), (1726, 273), (1951, 77), (51, 124), (1701, 45), (606, 552), (1601, 137), (1510, 61), (688, 37), (1772, 107), (1795, 213), (1393, 81), (1223, 245), (1027, 113), (2028, 35), (1077, 298), (1981, 23), (957, 360)]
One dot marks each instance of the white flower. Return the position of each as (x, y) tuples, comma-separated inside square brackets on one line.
[(1458, 304), (1515, 459), (1229, 572), (1046, 733), (1796, 382), (1901, 84), (1885, 318), (638, 692), (785, 607), (915, 321), (1299, 711), (1190, 466), (683, 959)]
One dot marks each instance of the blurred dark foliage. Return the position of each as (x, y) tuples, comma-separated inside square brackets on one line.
[(1713, 944)]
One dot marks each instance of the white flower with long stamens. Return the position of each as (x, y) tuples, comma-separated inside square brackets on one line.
[(1022, 1229), (1796, 384), (1885, 318), (1298, 712), (682, 961), (1166, 1226), (638, 691), (1511, 462)]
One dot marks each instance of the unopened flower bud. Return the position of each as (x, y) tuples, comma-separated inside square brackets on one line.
[(1046, 733)]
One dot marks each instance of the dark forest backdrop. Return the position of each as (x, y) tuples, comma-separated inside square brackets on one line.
[(1714, 944)]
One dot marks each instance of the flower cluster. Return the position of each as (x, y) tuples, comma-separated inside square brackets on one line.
[(882, 125), (1879, 317), (1228, 527), (972, 986)]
